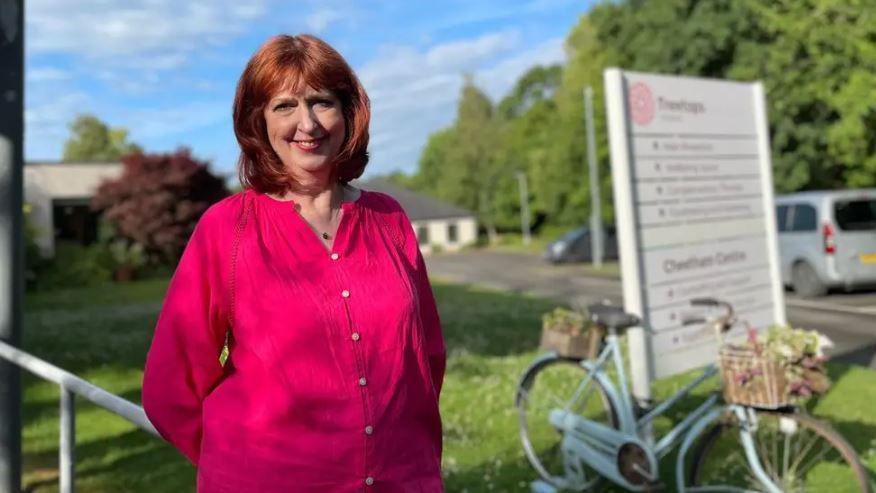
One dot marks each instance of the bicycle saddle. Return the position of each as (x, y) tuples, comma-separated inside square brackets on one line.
[(611, 316)]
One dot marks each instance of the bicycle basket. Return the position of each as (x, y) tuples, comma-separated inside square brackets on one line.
[(577, 345), (751, 379)]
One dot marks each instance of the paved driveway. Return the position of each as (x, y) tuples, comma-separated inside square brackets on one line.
[(848, 319)]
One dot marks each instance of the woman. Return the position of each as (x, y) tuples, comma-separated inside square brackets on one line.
[(336, 353)]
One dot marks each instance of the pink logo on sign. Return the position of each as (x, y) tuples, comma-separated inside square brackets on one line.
[(641, 104)]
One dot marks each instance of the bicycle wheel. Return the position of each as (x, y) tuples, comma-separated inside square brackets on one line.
[(551, 385), (799, 453)]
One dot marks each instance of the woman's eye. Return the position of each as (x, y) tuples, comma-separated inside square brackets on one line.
[(324, 104), (283, 106)]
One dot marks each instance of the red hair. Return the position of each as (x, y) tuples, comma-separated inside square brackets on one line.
[(294, 61)]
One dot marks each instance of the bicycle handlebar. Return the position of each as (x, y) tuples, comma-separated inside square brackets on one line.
[(704, 302), (722, 323)]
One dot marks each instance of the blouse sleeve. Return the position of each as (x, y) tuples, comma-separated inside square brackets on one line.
[(434, 336), (182, 365)]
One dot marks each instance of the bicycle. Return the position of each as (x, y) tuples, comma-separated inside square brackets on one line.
[(579, 428)]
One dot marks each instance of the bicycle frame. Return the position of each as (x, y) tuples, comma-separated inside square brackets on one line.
[(598, 445)]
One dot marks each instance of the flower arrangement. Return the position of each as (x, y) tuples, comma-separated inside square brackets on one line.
[(563, 320), (788, 361), (566, 332)]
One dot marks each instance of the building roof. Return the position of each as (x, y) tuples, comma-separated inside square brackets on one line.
[(418, 207), (72, 163)]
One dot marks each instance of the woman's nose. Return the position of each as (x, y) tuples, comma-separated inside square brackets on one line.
[(308, 121)]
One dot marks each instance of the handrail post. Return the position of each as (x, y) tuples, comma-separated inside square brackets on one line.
[(67, 445)]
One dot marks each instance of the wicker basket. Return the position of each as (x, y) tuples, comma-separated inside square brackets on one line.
[(752, 380), (572, 345)]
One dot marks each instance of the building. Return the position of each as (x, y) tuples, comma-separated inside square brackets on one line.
[(438, 225), (58, 195)]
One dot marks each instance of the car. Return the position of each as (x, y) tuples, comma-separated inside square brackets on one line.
[(827, 239), (574, 246)]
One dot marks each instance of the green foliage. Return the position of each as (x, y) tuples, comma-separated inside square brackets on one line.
[(33, 257), (537, 84), (818, 63), (458, 164), (127, 254), (92, 140), (124, 252), (816, 59), (563, 320), (74, 265)]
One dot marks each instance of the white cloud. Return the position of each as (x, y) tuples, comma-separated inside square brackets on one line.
[(456, 57), (46, 123), (461, 54), (46, 74), (501, 77), (155, 123), (415, 93), (319, 20), (130, 42), (98, 29)]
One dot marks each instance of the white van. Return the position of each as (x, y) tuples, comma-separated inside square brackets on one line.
[(827, 239)]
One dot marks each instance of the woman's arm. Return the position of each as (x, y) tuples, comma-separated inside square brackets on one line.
[(434, 336), (182, 366)]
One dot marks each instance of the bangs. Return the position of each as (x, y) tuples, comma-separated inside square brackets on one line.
[(294, 73)]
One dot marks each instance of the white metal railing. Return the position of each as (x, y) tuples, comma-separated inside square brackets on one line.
[(71, 386)]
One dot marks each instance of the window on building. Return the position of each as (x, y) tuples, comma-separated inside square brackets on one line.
[(423, 235), (452, 233), (74, 221)]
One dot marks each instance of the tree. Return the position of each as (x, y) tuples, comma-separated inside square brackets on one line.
[(458, 164), (818, 63), (538, 84), (816, 58), (158, 199), (92, 140)]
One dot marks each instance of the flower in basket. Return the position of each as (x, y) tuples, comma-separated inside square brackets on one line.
[(563, 320), (800, 354)]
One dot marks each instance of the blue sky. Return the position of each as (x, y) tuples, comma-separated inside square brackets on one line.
[(166, 69)]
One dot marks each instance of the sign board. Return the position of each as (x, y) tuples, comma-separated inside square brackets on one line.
[(694, 208)]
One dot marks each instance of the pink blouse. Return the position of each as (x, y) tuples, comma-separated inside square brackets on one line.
[(337, 357)]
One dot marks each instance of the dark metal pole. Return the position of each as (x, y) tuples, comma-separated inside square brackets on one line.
[(11, 240)]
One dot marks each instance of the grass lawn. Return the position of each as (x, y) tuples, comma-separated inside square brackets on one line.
[(102, 333)]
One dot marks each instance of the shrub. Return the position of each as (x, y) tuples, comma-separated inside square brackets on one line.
[(157, 201), (34, 262), (75, 265)]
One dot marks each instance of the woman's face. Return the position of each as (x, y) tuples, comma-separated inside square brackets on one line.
[(306, 128)]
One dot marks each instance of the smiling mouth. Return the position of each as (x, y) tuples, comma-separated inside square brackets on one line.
[(308, 144)]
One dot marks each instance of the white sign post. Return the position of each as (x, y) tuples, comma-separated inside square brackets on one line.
[(693, 196)]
